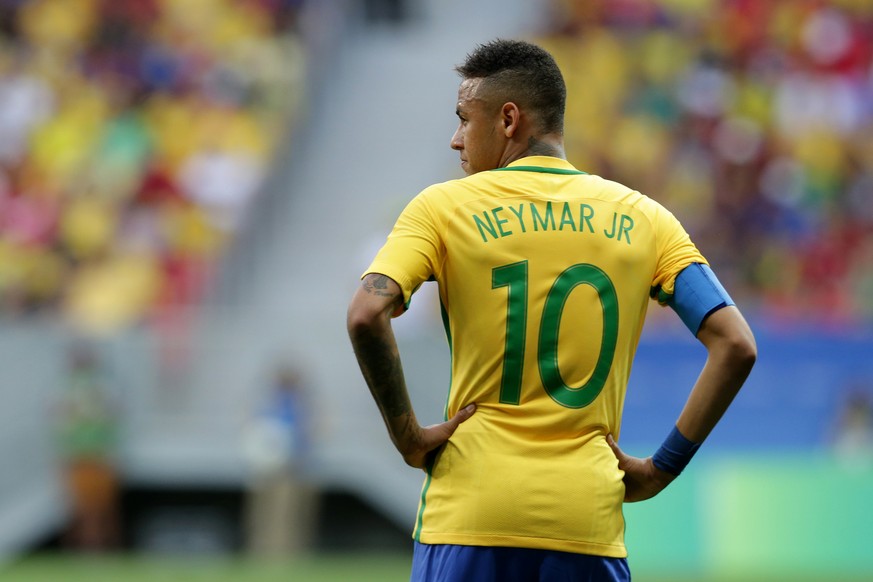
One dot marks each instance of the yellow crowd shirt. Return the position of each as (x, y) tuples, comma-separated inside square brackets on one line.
[(544, 277)]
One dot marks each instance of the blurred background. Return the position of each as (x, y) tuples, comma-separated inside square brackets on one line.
[(190, 189)]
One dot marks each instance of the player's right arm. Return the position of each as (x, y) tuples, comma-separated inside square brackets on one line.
[(375, 303)]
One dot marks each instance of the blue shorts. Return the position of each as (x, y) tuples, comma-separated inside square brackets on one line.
[(448, 563)]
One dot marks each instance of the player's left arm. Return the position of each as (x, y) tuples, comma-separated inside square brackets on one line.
[(377, 300), (731, 353)]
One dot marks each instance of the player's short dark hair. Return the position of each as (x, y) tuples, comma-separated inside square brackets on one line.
[(521, 72)]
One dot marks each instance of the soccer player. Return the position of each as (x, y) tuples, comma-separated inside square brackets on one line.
[(544, 273)]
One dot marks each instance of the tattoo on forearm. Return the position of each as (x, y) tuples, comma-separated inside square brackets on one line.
[(379, 358), (380, 363)]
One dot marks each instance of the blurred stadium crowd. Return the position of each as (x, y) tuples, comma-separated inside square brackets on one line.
[(752, 121), (133, 134)]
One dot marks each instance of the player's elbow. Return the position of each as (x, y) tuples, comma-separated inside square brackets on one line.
[(365, 316), (359, 319), (741, 350), (730, 339)]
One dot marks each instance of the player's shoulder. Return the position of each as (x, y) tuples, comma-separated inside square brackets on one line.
[(437, 200), (441, 192), (631, 196), (620, 192), (643, 205)]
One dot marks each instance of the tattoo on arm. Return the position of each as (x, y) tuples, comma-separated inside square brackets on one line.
[(377, 285), (379, 358), (380, 363)]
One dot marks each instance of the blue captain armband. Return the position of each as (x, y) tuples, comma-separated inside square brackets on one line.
[(696, 295)]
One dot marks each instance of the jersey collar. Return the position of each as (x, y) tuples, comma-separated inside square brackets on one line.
[(540, 164)]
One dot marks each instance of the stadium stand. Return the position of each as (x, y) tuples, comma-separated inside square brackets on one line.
[(135, 134), (752, 120)]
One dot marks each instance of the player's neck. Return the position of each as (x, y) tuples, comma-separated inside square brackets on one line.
[(546, 145), (543, 146)]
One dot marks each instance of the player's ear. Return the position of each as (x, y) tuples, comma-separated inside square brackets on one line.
[(510, 116)]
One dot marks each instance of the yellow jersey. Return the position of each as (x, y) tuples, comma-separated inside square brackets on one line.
[(544, 276)]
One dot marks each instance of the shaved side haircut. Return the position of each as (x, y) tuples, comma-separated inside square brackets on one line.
[(521, 72)]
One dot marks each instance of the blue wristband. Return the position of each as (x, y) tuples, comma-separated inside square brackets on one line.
[(675, 453)]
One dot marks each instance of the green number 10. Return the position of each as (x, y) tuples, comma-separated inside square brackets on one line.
[(515, 278)]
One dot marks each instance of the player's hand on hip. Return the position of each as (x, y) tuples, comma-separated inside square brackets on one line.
[(434, 436), (642, 479)]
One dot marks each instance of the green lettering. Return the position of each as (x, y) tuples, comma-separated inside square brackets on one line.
[(519, 213), (567, 217), (627, 223), (611, 233), (586, 212), (543, 221), (500, 221), (483, 227)]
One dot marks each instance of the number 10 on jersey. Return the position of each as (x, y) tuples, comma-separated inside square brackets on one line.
[(515, 278)]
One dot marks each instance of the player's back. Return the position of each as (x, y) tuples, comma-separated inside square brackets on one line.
[(545, 278)]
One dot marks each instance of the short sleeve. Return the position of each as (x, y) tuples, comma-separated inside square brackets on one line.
[(675, 252), (414, 247)]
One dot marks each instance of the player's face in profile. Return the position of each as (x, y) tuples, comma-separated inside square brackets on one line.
[(478, 137)]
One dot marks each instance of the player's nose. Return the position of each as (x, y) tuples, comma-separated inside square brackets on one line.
[(457, 142)]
